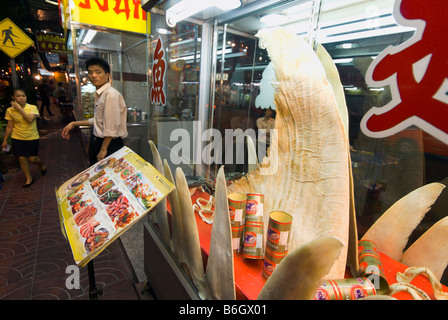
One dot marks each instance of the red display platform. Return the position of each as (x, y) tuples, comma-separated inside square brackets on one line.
[(248, 272)]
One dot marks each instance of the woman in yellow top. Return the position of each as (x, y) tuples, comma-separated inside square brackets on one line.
[(22, 128)]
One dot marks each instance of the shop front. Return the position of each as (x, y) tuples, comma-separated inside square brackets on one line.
[(218, 103)]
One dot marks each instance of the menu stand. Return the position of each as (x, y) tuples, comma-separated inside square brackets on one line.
[(94, 292)]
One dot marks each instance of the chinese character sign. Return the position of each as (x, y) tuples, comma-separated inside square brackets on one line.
[(158, 75), (417, 73), (124, 15)]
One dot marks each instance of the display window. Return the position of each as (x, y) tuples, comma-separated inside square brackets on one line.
[(232, 94)]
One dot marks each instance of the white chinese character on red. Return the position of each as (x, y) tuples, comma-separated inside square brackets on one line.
[(416, 71)]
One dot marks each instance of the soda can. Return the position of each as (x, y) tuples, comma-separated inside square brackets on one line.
[(253, 240), (345, 289), (278, 231), (370, 265), (237, 208), (254, 207), (270, 262)]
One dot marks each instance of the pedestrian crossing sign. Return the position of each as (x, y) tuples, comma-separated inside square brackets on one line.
[(13, 41)]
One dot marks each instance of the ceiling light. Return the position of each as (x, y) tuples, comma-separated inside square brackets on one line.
[(274, 19), (187, 8)]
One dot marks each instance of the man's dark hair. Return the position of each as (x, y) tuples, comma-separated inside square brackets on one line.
[(98, 62)]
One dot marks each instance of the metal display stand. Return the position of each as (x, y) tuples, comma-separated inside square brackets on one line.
[(168, 280), (94, 292)]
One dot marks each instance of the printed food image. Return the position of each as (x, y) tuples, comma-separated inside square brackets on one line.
[(105, 187), (88, 228), (78, 206), (132, 181), (72, 192), (96, 240), (126, 173), (84, 215), (123, 165), (75, 198), (124, 219), (117, 163), (79, 180), (121, 211), (110, 197), (97, 176), (104, 163), (95, 184), (146, 196)]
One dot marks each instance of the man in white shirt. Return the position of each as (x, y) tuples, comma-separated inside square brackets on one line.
[(110, 114)]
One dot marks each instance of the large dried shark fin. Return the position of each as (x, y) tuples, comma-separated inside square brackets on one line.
[(299, 274), (333, 78), (430, 249), (220, 272), (307, 172), (159, 215), (191, 256), (176, 214), (392, 230)]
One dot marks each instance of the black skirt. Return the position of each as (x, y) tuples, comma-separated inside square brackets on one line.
[(25, 148)]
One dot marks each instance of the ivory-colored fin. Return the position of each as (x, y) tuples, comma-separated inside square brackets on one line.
[(176, 214), (392, 230), (159, 215), (299, 274), (306, 173), (191, 256), (335, 81), (430, 249), (220, 271)]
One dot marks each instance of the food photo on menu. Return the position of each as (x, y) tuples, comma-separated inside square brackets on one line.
[(100, 203)]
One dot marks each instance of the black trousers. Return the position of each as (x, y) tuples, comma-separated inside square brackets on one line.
[(95, 147)]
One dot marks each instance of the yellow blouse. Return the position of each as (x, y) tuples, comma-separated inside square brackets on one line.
[(22, 129)]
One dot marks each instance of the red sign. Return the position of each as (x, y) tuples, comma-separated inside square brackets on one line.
[(158, 95), (417, 73)]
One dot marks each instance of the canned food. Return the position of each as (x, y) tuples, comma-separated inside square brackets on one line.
[(370, 265), (254, 207), (237, 236), (237, 208), (253, 240), (271, 260), (345, 289), (278, 231)]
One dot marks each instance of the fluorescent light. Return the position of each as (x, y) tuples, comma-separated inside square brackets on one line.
[(89, 36), (187, 8), (274, 19)]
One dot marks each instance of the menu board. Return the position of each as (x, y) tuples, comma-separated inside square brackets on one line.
[(101, 203)]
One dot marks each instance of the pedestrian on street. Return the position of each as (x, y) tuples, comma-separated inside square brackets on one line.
[(22, 128)]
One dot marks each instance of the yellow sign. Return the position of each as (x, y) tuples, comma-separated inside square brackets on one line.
[(13, 40), (126, 15)]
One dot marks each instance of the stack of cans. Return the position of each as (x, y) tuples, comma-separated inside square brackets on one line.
[(277, 240), (253, 233), (237, 212)]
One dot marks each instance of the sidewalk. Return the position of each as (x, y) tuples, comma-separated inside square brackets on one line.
[(34, 254)]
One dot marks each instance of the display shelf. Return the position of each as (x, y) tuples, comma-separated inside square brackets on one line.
[(248, 272)]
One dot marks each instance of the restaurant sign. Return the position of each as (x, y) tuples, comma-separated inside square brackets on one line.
[(125, 15), (51, 42)]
